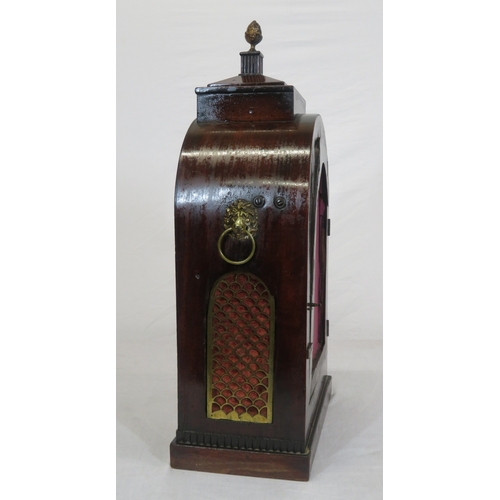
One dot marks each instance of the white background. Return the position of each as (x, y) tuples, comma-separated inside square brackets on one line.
[(57, 252), (332, 53)]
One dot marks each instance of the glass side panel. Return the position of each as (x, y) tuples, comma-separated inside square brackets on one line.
[(319, 291)]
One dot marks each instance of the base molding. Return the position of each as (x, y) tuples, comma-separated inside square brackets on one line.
[(275, 464)]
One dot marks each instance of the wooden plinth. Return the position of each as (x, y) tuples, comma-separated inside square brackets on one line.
[(292, 466)]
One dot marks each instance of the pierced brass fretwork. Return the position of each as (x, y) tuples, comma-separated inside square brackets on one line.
[(240, 350)]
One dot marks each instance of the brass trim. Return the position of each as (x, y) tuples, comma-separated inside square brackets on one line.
[(235, 262), (253, 35), (235, 415), (241, 217)]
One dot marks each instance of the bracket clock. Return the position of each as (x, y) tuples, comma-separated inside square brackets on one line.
[(251, 227)]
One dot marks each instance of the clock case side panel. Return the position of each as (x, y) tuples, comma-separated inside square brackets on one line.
[(220, 163)]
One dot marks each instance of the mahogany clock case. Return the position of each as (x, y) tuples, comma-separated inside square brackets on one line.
[(332, 53), (276, 159)]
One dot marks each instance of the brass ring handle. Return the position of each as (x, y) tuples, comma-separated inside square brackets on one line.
[(235, 262)]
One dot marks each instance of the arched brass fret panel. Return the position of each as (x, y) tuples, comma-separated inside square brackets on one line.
[(240, 349)]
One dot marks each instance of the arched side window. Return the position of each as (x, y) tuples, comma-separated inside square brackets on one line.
[(240, 349), (320, 256)]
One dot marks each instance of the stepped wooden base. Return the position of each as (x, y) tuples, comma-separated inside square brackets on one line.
[(293, 466)]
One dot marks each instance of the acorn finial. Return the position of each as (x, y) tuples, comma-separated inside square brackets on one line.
[(253, 34)]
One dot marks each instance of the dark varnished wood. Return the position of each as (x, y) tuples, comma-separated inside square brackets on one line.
[(291, 466), (249, 103), (219, 164), (250, 141)]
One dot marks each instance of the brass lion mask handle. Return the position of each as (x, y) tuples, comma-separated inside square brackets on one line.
[(240, 223)]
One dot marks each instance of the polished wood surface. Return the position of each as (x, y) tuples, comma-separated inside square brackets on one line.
[(266, 102), (246, 462), (279, 155)]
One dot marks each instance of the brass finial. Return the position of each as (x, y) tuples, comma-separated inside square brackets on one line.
[(253, 34)]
